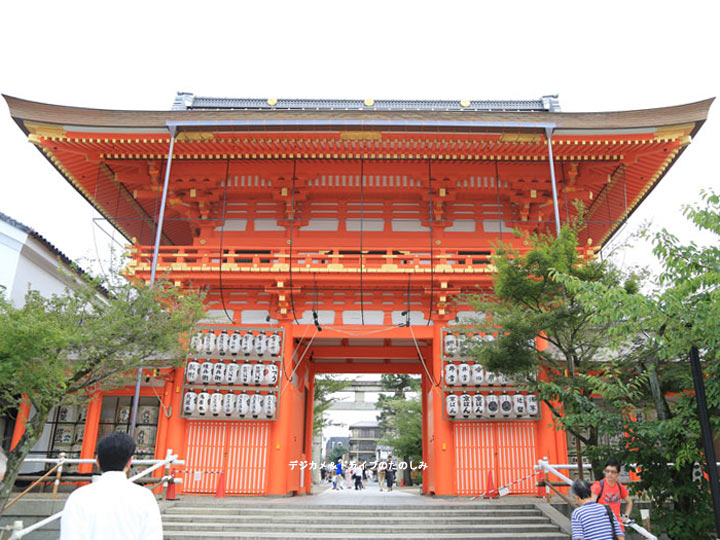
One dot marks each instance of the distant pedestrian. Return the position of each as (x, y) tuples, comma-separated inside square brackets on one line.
[(381, 467), (348, 475), (390, 472), (592, 521), (357, 475), (337, 483)]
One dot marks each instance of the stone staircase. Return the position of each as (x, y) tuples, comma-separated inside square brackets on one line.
[(233, 518)]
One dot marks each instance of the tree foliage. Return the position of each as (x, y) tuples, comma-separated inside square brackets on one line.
[(62, 349), (325, 386), (653, 333)]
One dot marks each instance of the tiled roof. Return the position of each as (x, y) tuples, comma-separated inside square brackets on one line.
[(32, 232), (187, 101)]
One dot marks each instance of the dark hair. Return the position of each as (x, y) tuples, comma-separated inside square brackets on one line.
[(114, 451), (581, 488), (614, 463)]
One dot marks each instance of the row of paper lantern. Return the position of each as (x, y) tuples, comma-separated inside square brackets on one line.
[(235, 343), (473, 374), (230, 404), (491, 405), (221, 373), (458, 345)]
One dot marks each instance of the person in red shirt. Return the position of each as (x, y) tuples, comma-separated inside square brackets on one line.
[(612, 493)]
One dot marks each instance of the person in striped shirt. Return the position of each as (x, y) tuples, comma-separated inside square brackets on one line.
[(592, 521)]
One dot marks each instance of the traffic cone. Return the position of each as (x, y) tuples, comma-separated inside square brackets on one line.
[(490, 492), (220, 489), (170, 491)]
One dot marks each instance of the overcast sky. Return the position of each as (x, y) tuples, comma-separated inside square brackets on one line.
[(616, 56)]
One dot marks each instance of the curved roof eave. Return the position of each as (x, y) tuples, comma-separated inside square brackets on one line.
[(24, 110)]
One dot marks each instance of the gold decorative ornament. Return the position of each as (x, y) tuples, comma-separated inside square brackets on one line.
[(272, 101), (369, 102), (465, 103)]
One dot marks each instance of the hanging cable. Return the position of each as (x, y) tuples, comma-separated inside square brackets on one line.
[(432, 258), (302, 357), (407, 309), (362, 258), (316, 317), (226, 181), (497, 185), (422, 360), (292, 224), (564, 178)]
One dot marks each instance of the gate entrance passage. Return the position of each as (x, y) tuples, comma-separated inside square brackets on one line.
[(341, 236)]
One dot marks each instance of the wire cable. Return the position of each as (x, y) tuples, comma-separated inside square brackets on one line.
[(222, 230), (422, 360)]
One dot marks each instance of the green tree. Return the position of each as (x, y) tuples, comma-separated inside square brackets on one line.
[(658, 328), (325, 386), (400, 384), (60, 350), (337, 452), (527, 305), (404, 430)]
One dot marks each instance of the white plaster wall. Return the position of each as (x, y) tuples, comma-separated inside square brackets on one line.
[(11, 243)]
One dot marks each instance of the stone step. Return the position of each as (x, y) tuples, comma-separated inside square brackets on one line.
[(356, 510), (391, 518), (342, 529), (360, 535)]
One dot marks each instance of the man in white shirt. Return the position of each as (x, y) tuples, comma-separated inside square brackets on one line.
[(112, 508)]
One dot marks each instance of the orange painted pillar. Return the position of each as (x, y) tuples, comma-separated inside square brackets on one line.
[(308, 456), (23, 415), (175, 438), (277, 469), (90, 435), (443, 442), (425, 389), (163, 420)]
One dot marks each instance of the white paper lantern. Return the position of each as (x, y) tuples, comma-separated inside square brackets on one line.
[(258, 374), (234, 343), (478, 405), (228, 403), (209, 342), (192, 370), (451, 405), (218, 376), (451, 345), (488, 337), (274, 343), (271, 375), (189, 402), (492, 407), (67, 413), (223, 343), (464, 374), (247, 344), (256, 404), (196, 342), (466, 405), (203, 402), (519, 405), (506, 405), (531, 404), (478, 374), (260, 344), (216, 403), (270, 405), (490, 378), (231, 373), (246, 374), (243, 404), (503, 380), (206, 371), (147, 414), (450, 374)]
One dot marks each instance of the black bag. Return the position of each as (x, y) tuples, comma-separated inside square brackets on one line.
[(611, 517)]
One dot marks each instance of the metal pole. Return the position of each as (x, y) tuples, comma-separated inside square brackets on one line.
[(548, 133), (707, 437), (158, 234)]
